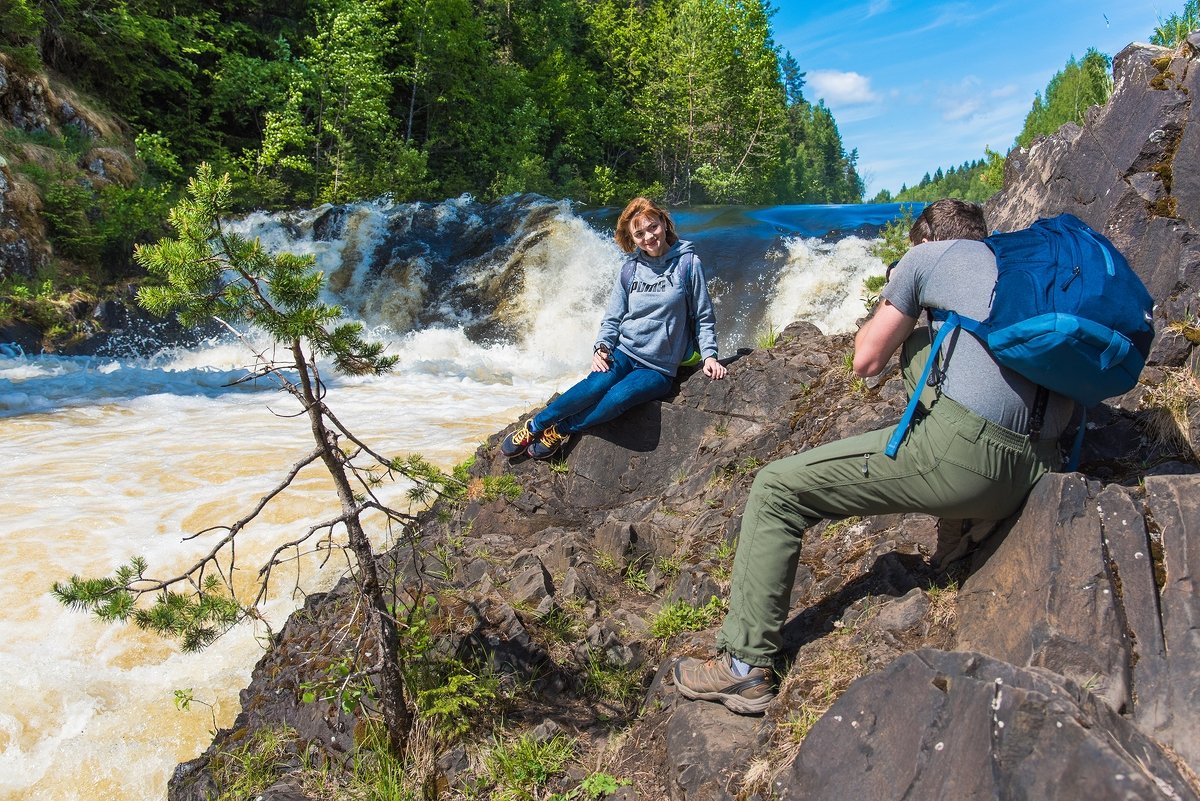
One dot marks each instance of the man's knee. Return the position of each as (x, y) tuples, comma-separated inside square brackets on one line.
[(772, 481)]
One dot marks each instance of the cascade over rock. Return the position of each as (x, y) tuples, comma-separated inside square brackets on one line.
[(1058, 659)]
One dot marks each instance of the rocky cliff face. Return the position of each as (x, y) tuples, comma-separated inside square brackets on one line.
[(1051, 656), (53, 140), (31, 105)]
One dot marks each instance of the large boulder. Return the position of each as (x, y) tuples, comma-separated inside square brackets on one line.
[(961, 725)]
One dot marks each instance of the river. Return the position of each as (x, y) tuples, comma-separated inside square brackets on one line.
[(490, 308)]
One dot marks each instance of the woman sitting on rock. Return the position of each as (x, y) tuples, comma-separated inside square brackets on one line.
[(658, 314)]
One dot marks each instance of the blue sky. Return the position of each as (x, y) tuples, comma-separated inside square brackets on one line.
[(918, 85)]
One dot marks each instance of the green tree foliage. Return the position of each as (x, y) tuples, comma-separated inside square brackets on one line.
[(1175, 28), (308, 101), (814, 166), (893, 240), (334, 134), (715, 119), (975, 181), (1070, 93), (20, 24)]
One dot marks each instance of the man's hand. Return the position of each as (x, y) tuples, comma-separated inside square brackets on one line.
[(879, 338)]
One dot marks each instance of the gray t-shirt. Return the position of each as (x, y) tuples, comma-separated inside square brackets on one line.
[(960, 275)]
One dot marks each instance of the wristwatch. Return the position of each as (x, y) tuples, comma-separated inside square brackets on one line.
[(602, 348)]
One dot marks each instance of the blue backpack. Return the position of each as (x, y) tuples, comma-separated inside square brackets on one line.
[(1068, 313), (684, 271)]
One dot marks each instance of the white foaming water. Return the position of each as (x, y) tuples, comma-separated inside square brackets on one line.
[(822, 282), (91, 480)]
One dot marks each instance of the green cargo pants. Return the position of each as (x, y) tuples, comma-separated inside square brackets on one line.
[(953, 463)]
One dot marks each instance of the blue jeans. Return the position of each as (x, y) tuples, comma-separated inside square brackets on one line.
[(602, 396)]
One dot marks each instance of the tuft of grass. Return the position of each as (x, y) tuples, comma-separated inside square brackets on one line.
[(848, 362), (605, 561), (872, 286), (1188, 328), (635, 579), (799, 722), (820, 675), (610, 683), (1169, 406), (519, 769), (682, 616), (722, 555), (943, 603), (837, 527), (249, 770), (743, 466), (668, 566), (375, 772), (769, 338), (560, 625), (559, 466)]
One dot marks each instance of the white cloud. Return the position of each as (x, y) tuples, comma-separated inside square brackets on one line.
[(879, 7), (961, 109), (841, 88), (965, 100)]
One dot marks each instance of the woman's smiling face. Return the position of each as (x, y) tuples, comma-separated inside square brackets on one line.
[(648, 232)]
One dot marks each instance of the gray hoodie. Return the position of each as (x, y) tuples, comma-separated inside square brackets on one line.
[(649, 322)]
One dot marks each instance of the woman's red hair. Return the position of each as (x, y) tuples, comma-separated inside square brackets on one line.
[(637, 207)]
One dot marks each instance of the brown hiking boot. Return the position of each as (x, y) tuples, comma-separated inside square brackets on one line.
[(714, 680)]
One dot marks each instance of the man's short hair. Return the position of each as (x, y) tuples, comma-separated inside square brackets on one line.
[(949, 218)]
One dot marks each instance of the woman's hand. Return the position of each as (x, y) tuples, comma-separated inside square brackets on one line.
[(600, 361), (714, 369)]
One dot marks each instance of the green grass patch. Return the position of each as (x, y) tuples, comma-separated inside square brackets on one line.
[(682, 616), (520, 769)]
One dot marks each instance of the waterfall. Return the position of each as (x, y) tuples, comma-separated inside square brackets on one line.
[(491, 308)]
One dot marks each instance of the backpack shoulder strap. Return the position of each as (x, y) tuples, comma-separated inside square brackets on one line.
[(685, 276), (951, 321), (627, 273), (974, 326)]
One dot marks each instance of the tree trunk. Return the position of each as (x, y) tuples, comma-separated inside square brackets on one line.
[(396, 715)]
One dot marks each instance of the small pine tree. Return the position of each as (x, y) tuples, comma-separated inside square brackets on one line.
[(207, 272)]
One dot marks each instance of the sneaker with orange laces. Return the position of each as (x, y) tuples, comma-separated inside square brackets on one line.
[(515, 444), (547, 443), (714, 680)]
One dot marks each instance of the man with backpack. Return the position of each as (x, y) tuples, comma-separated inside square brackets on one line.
[(980, 438)]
